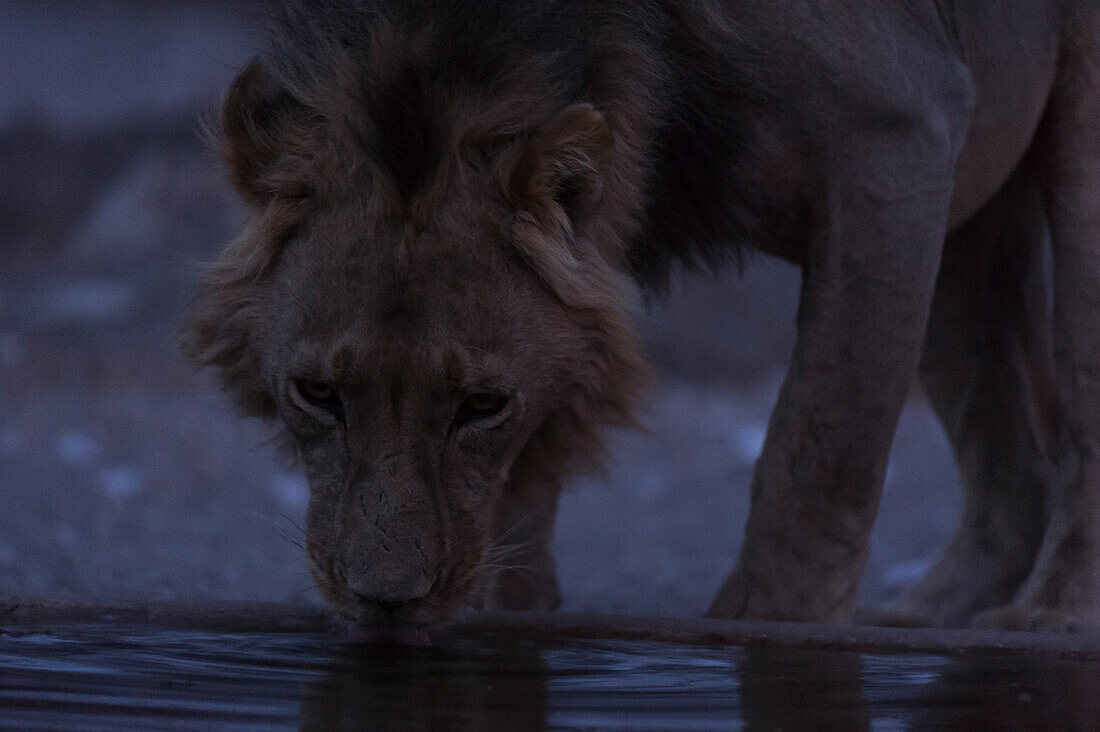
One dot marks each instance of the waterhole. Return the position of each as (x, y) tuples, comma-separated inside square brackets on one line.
[(113, 677)]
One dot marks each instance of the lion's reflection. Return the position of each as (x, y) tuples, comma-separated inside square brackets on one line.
[(501, 688), (523, 684)]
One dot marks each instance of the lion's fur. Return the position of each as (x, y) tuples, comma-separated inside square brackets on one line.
[(297, 138), (426, 176), (296, 134)]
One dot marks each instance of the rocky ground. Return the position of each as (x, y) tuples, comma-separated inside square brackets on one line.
[(123, 474)]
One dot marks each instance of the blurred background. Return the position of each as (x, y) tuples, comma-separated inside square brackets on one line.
[(125, 475)]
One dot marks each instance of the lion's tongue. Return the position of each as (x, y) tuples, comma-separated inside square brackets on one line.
[(386, 633)]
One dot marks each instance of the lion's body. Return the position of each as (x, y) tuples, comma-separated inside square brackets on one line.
[(462, 201)]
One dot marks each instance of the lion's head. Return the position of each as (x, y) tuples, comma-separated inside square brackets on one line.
[(429, 296)]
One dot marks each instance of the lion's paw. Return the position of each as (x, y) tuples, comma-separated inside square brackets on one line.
[(1036, 619), (891, 617), (731, 599)]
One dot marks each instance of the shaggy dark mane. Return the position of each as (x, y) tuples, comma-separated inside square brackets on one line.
[(693, 120)]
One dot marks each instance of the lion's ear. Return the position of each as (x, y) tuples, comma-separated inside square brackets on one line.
[(562, 171), (258, 119)]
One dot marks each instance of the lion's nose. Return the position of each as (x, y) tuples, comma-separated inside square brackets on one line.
[(391, 588), (388, 605)]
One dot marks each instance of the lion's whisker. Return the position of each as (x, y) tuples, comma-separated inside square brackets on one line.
[(519, 523), (294, 542), (292, 522), (286, 527), (503, 552), (503, 567), (281, 530)]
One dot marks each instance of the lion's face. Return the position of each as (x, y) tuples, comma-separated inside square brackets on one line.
[(433, 355), (411, 368)]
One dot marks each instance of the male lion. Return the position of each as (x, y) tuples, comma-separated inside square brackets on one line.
[(455, 206)]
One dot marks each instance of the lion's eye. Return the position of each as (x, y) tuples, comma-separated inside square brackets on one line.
[(320, 394), (480, 406)]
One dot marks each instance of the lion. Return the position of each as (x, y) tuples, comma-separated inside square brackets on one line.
[(457, 209)]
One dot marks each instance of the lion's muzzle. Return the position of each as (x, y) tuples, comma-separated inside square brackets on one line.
[(391, 547)]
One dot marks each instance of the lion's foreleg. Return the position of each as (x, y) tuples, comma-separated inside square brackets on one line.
[(1063, 589), (867, 288), (988, 368)]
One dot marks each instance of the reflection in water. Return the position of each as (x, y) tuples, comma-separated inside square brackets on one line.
[(510, 685), (795, 687), (991, 690), (112, 677), (491, 688), (628, 684)]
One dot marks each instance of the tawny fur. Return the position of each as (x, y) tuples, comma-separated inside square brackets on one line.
[(450, 197)]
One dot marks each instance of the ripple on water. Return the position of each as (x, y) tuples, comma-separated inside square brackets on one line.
[(112, 677)]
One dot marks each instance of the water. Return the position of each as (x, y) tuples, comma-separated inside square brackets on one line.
[(111, 677)]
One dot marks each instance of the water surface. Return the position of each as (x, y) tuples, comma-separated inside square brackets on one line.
[(81, 677)]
